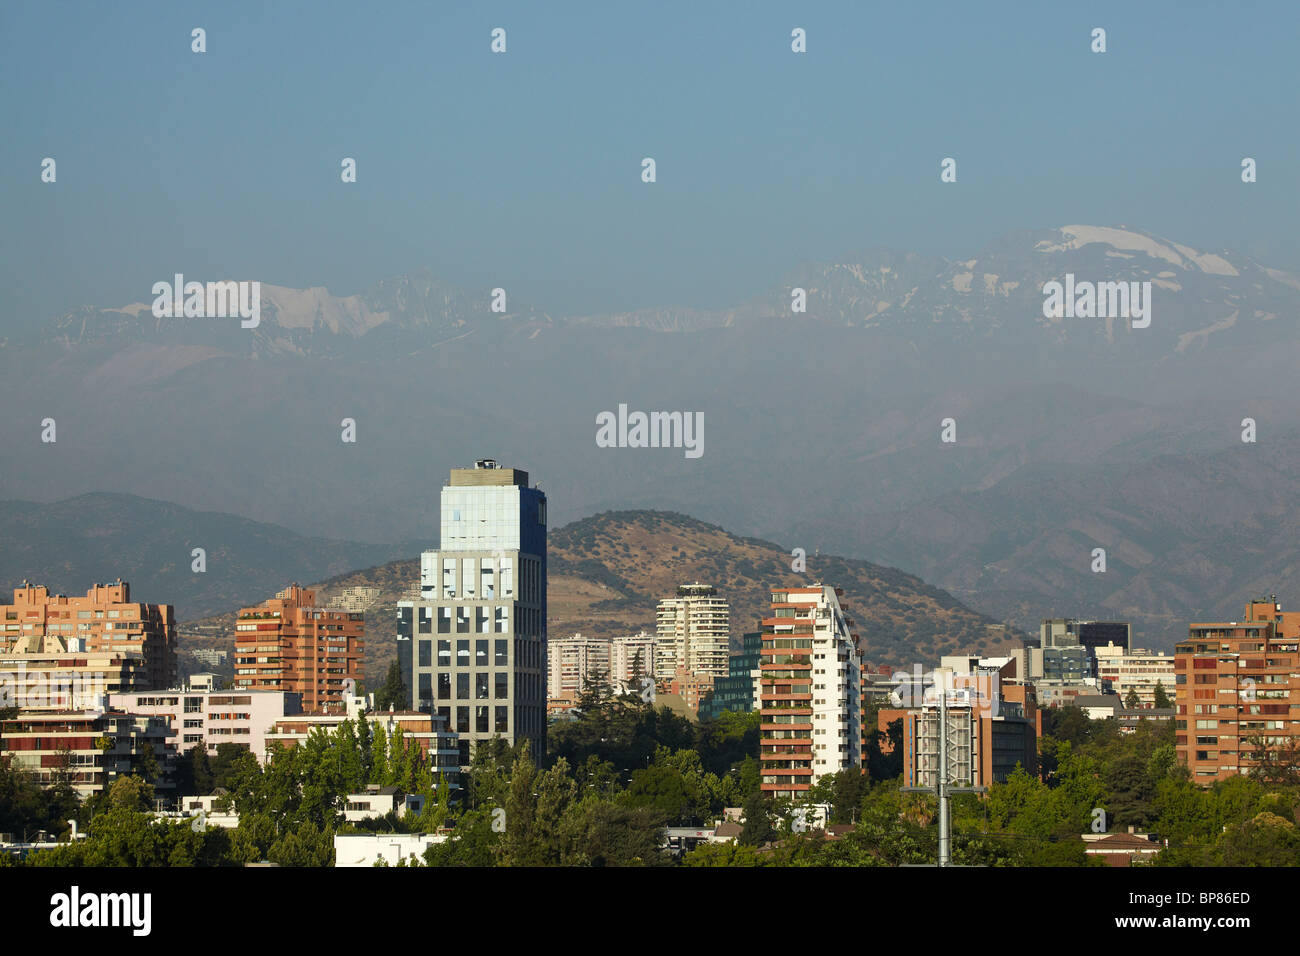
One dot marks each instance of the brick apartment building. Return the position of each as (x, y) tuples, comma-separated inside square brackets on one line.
[(289, 644), (106, 619), (1237, 685)]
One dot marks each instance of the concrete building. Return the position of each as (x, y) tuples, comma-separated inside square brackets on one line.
[(1070, 632), (1238, 687), (1138, 671), (473, 647), (106, 619), (288, 644), (692, 633), (809, 691), (196, 717)]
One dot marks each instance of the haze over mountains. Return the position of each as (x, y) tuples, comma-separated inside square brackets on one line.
[(821, 429)]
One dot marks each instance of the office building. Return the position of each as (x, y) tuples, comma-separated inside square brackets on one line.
[(289, 644), (473, 647), (738, 690), (809, 691)]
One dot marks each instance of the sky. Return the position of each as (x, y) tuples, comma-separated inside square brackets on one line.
[(524, 168)]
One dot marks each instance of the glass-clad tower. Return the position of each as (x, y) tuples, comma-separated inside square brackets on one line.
[(473, 647)]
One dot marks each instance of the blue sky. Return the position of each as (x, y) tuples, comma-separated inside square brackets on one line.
[(523, 169)]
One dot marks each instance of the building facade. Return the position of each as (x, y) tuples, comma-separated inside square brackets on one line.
[(738, 690), (106, 619), (473, 647), (1136, 671), (289, 644), (809, 691), (692, 633), (206, 718), (1238, 685)]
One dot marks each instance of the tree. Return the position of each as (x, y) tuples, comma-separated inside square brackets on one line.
[(1162, 698), (393, 693), (757, 827), (1131, 700)]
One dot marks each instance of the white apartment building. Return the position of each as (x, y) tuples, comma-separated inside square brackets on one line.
[(810, 689), (692, 633), (571, 661), (1137, 670), (212, 717)]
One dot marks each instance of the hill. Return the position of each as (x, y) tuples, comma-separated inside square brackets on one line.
[(607, 572)]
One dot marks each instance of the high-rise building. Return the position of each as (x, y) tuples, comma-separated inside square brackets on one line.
[(616, 661), (289, 644), (473, 647), (692, 633), (810, 691), (1237, 690), (106, 619)]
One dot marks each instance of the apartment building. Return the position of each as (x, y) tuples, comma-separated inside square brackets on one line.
[(473, 647), (1136, 671), (56, 673), (88, 749), (206, 718), (574, 660), (289, 644), (106, 619), (692, 633), (1237, 690), (809, 691)]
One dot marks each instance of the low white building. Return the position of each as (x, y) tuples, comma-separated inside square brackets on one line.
[(367, 849)]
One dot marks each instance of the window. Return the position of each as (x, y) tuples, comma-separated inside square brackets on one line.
[(462, 720), (444, 653), (503, 720), (481, 720), (480, 653), (426, 620), (503, 619), (426, 688), (462, 653), (483, 620), (468, 575), (462, 686), (502, 652), (426, 654), (444, 620), (444, 687), (480, 686), (462, 620), (502, 680)]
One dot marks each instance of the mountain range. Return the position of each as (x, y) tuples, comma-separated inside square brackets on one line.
[(822, 428)]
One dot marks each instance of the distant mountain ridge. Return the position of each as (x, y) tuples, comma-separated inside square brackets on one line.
[(994, 296)]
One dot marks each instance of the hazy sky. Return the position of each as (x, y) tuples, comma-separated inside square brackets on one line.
[(524, 168)]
